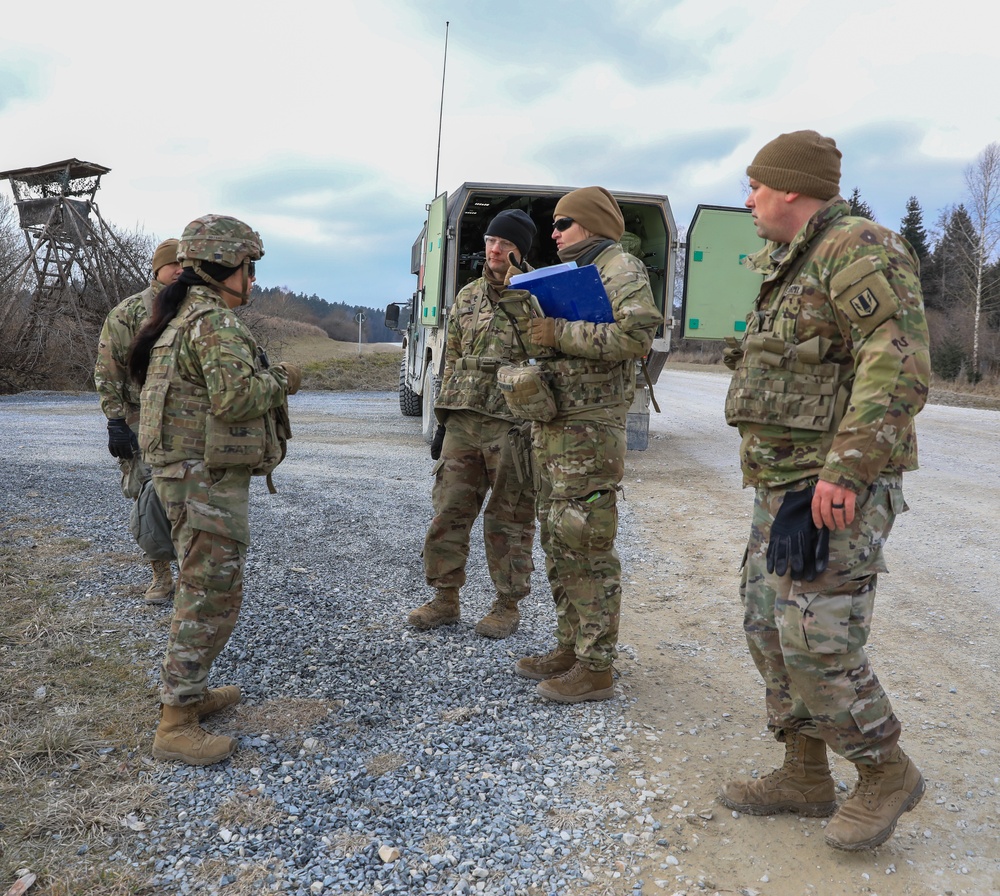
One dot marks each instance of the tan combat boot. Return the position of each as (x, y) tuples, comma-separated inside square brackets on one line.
[(502, 620), (179, 736), (882, 794), (442, 610), (218, 698), (551, 664), (581, 683), (802, 785), (161, 589)]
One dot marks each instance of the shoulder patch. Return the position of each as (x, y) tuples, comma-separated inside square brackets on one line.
[(862, 292)]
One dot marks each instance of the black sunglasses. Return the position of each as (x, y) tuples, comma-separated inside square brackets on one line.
[(563, 224), (251, 269)]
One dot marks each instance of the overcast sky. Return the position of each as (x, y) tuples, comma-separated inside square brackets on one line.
[(318, 123)]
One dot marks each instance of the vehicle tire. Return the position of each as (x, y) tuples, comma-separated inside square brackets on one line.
[(431, 387), (409, 401)]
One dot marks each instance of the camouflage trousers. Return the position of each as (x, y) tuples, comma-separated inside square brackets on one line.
[(807, 639), (478, 457), (210, 528), (582, 465)]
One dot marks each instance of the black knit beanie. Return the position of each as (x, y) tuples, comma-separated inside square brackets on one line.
[(515, 226), (800, 162)]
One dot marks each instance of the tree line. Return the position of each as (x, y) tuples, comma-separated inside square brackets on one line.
[(53, 346)]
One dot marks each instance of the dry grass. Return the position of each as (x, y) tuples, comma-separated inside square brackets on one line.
[(77, 710)]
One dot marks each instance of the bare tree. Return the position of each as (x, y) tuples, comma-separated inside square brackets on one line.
[(982, 180)]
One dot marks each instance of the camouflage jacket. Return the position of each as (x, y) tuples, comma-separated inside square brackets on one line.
[(480, 339), (593, 372), (119, 395), (207, 393), (835, 362)]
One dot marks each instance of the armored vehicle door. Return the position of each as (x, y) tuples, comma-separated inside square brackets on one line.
[(719, 291), (433, 274)]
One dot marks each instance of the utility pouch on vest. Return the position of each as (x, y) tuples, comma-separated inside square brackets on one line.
[(784, 384), (150, 525), (277, 432), (527, 392)]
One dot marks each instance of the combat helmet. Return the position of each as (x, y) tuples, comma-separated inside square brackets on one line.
[(221, 240)]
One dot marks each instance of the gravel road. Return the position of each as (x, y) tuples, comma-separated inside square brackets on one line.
[(362, 735)]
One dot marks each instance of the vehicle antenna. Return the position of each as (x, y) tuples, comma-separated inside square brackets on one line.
[(444, 69)]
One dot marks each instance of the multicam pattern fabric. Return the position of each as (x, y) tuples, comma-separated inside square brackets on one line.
[(485, 449), (209, 515), (829, 377), (482, 454), (838, 334), (807, 639), (206, 390), (203, 404), (118, 394), (221, 240), (581, 456), (480, 339)]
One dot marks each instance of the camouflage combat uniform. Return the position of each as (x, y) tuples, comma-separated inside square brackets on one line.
[(202, 429), (485, 449), (119, 395), (581, 455), (832, 369)]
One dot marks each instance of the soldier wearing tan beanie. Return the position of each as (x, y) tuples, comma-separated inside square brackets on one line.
[(580, 452), (799, 162), (120, 396), (833, 366)]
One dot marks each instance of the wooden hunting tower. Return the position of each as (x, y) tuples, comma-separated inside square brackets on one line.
[(71, 251)]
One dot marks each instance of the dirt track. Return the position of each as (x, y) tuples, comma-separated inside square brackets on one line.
[(933, 645)]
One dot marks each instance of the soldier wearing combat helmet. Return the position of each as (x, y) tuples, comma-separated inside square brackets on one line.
[(205, 427), (120, 398), (829, 376)]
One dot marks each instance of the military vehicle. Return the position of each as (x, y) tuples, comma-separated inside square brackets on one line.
[(449, 252)]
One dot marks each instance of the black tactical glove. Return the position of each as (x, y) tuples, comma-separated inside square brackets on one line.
[(796, 544), (122, 442), (437, 442)]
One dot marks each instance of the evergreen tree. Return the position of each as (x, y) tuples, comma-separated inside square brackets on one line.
[(859, 207), (911, 228), (951, 274)]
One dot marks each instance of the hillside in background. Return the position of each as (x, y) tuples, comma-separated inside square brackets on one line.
[(337, 319)]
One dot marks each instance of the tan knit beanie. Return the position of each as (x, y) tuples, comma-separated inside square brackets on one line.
[(800, 162), (166, 253), (595, 209)]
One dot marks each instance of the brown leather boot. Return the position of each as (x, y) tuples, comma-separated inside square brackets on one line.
[(551, 664), (218, 698), (180, 737), (581, 683), (882, 794), (502, 620), (161, 589), (443, 609), (802, 785)]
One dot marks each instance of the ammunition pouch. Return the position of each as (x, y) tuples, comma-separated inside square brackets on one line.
[(527, 391), (780, 383)]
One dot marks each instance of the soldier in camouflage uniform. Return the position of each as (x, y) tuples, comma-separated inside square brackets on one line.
[(581, 451), (832, 369), (120, 397), (206, 399), (480, 446)]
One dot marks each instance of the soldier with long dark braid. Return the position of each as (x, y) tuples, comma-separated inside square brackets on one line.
[(206, 426)]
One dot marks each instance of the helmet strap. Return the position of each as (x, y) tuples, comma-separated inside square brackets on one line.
[(243, 296)]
